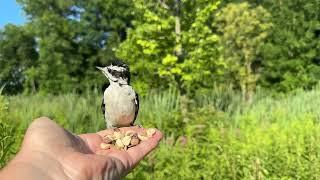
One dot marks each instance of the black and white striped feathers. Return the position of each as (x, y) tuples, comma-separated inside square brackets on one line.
[(117, 72)]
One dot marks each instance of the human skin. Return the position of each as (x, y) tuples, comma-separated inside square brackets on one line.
[(50, 152)]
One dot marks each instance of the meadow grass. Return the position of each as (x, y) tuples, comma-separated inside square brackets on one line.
[(212, 136)]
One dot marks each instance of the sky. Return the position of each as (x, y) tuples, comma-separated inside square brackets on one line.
[(11, 12)]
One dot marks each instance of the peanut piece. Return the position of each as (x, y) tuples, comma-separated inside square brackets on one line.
[(119, 144), (105, 146), (126, 140), (150, 132), (134, 141)]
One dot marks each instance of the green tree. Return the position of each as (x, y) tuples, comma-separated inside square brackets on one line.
[(244, 30), (291, 54), (172, 42), (73, 37), (17, 54)]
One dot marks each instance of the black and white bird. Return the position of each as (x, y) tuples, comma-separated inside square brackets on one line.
[(120, 103)]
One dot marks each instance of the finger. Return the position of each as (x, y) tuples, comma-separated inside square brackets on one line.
[(123, 129), (138, 152), (105, 132)]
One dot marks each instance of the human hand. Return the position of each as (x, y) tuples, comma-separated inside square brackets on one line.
[(51, 152)]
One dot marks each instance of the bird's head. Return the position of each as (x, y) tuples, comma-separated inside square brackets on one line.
[(117, 72)]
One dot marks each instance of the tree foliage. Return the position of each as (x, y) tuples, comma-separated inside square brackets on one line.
[(292, 52), (244, 30), (181, 43), (153, 44), (73, 37), (17, 54)]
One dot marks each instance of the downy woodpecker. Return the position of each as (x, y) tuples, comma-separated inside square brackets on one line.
[(120, 103)]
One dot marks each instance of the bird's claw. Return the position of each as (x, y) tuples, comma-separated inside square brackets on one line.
[(139, 126)]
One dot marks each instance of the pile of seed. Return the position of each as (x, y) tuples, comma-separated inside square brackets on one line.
[(125, 140)]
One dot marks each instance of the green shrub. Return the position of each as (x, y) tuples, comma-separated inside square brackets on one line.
[(274, 152), (7, 134), (7, 140)]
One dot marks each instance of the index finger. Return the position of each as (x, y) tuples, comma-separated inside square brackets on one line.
[(122, 129), (138, 152)]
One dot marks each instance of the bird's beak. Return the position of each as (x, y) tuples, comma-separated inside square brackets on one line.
[(103, 71), (100, 68)]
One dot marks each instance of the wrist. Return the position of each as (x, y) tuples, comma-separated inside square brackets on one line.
[(32, 165)]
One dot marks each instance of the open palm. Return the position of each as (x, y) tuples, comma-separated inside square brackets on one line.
[(67, 156)]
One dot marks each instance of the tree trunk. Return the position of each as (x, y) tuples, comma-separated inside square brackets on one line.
[(178, 49), (249, 81), (33, 84), (247, 92)]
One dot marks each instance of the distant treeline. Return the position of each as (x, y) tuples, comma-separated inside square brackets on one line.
[(191, 45)]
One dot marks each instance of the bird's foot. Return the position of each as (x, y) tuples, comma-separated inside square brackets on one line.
[(139, 126)]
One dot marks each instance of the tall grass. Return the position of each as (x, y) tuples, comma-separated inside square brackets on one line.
[(77, 113), (83, 114), (298, 106), (160, 110), (212, 136), (7, 133)]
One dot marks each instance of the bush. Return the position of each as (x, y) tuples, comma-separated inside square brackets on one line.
[(7, 134), (272, 152)]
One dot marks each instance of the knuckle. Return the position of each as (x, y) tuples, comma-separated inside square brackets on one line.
[(40, 120)]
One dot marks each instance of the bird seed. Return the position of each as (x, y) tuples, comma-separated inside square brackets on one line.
[(125, 140)]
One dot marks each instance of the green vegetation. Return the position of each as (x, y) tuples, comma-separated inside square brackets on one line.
[(212, 136), (244, 30), (189, 45), (173, 43), (7, 136), (232, 84)]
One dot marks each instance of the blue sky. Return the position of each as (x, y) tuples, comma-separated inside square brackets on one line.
[(11, 12)]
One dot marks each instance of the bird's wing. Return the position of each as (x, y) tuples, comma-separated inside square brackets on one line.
[(136, 102), (103, 107)]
